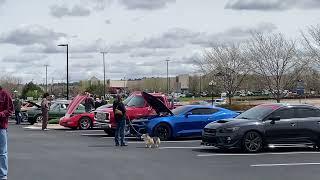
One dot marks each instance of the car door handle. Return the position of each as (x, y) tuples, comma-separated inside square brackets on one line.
[(293, 124)]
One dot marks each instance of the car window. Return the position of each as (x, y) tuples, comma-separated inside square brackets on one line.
[(307, 112), (180, 110), (63, 106), (54, 106), (136, 101), (284, 113), (258, 112), (203, 111)]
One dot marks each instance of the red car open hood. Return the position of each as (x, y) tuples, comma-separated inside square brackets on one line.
[(74, 104)]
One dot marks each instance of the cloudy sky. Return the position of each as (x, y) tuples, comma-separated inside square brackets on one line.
[(137, 34)]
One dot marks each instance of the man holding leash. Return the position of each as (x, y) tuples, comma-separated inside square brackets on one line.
[(119, 111), (6, 109)]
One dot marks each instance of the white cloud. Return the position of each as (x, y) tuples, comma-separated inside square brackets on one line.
[(146, 4), (30, 35), (267, 5), (63, 10)]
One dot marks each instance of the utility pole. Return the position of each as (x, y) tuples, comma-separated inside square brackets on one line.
[(67, 45), (104, 74), (168, 81), (46, 77)]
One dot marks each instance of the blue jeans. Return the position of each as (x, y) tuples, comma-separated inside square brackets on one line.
[(119, 134), (3, 153), (18, 116)]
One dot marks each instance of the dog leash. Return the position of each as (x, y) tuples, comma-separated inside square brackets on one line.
[(138, 134)]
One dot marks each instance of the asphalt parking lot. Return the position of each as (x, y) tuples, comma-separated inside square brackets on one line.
[(82, 155)]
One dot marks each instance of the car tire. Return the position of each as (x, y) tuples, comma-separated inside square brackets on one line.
[(38, 119), (163, 131), (252, 142), (85, 123)]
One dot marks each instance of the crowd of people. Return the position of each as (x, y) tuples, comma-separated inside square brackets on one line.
[(8, 106)]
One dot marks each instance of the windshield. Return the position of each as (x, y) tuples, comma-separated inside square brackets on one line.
[(135, 101), (180, 110), (126, 101), (258, 112)]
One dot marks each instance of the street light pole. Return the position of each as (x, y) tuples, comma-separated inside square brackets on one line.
[(212, 83), (46, 77), (168, 83), (67, 45), (104, 74)]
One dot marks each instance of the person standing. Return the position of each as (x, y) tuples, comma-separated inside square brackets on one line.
[(6, 110), (89, 103), (45, 111), (119, 111), (17, 110)]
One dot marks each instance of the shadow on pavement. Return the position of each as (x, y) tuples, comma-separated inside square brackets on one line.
[(269, 150)]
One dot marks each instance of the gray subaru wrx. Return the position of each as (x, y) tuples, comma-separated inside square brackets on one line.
[(265, 125)]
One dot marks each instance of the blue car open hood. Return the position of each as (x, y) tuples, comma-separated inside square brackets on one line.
[(156, 104)]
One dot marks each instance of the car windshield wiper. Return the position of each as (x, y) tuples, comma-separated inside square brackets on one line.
[(243, 118)]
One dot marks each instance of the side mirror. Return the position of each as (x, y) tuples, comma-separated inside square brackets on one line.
[(274, 119), (188, 114)]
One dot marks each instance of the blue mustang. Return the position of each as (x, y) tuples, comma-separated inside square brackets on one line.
[(184, 121)]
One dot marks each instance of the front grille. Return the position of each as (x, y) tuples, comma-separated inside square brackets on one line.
[(210, 131), (102, 116)]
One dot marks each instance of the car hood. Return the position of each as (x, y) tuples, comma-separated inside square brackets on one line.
[(74, 104), (35, 104), (156, 104), (229, 123)]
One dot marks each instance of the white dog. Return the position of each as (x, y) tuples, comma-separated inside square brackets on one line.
[(151, 141)]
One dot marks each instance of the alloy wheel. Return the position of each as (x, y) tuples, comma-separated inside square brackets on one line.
[(85, 123), (253, 142)]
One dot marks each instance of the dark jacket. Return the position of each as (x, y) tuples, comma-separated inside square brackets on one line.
[(6, 108), (120, 106), (17, 105), (89, 104)]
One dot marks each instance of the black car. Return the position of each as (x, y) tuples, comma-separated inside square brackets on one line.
[(265, 125)]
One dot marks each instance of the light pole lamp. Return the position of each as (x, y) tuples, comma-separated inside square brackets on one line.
[(212, 84), (67, 45)]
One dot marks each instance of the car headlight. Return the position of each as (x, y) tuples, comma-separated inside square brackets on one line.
[(229, 129)]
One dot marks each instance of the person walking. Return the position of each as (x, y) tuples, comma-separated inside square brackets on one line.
[(17, 110), (89, 103), (119, 111), (45, 111), (6, 110)]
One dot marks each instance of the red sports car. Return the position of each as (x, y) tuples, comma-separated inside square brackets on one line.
[(76, 118)]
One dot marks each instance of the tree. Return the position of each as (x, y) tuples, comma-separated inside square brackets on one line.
[(31, 90), (227, 66), (96, 89), (10, 83), (312, 42), (277, 61)]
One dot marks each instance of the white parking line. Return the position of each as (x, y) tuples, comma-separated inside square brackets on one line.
[(76, 131), (288, 164), (113, 137), (186, 147), (104, 134), (261, 154), (141, 142)]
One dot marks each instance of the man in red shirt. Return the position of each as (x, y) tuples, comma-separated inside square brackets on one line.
[(6, 109)]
